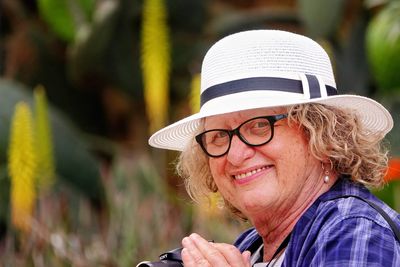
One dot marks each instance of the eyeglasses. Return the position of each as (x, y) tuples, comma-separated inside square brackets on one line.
[(254, 132)]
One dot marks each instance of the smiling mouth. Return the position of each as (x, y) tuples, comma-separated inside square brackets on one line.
[(250, 173)]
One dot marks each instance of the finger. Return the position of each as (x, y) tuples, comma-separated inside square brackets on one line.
[(232, 255), (189, 260), (192, 256), (208, 251), (247, 258)]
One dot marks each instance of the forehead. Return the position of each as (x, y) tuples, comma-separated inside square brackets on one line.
[(235, 118)]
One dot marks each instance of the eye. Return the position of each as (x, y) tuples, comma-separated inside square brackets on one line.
[(260, 127), (220, 138), (216, 138), (261, 124)]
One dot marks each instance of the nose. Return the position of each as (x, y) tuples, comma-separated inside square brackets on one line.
[(239, 151)]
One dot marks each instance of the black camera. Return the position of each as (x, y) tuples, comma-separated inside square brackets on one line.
[(171, 258)]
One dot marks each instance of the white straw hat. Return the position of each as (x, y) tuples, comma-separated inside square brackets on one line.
[(267, 68)]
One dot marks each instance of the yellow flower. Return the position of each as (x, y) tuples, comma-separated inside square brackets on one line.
[(22, 167), (155, 60)]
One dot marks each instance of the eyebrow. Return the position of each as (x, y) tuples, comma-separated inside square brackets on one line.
[(239, 123)]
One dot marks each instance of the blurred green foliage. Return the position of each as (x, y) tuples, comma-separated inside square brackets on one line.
[(64, 17), (383, 47)]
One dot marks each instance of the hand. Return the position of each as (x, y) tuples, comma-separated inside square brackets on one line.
[(199, 252)]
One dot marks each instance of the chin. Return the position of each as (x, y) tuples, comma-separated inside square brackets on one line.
[(254, 205)]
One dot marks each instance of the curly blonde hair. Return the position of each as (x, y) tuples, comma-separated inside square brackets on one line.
[(335, 136)]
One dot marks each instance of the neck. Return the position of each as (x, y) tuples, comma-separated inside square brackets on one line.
[(275, 226)]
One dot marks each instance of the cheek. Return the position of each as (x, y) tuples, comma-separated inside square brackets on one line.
[(223, 182), (292, 155), (216, 168), (294, 161), (299, 165)]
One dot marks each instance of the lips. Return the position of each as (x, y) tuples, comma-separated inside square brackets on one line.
[(249, 173)]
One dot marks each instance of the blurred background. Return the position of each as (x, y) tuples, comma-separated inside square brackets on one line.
[(85, 82)]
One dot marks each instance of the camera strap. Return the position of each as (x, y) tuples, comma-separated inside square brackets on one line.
[(259, 242)]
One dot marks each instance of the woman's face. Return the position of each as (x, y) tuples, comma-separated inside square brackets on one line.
[(272, 177)]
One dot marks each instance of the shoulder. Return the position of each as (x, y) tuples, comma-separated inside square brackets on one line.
[(355, 219), (349, 201), (352, 206), (341, 227), (349, 231)]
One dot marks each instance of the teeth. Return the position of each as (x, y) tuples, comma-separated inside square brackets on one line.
[(247, 174)]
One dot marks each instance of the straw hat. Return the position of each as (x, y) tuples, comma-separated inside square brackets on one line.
[(267, 68)]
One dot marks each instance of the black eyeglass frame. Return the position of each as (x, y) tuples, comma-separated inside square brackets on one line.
[(271, 119)]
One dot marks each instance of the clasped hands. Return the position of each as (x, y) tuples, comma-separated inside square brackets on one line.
[(197, 251)]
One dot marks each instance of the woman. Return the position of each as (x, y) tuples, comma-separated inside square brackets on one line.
[(287, 153)]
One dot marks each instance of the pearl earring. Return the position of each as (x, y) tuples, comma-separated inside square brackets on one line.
[(326, 177)]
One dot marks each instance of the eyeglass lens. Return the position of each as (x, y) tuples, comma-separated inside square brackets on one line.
[(253, 132)]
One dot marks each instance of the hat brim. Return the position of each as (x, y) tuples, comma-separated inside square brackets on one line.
[(372, 115)]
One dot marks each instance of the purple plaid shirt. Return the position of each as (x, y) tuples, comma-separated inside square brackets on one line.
[(340, 232)]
